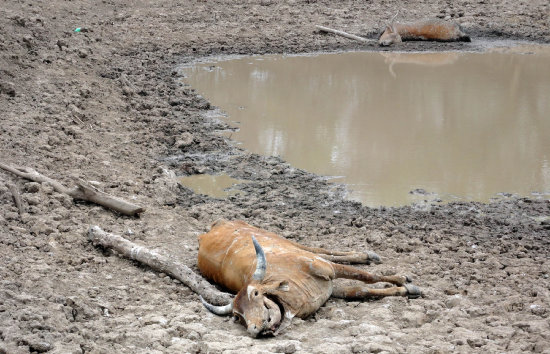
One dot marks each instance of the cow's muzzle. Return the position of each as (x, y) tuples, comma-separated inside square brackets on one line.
[(272, 320), (275, 315)]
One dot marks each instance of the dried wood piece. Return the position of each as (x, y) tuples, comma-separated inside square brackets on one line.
[(343, 34), (159, 263), (83, 191), (16, 197), (87, 192)]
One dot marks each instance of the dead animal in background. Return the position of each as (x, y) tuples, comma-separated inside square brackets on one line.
[(277, 279), (427, 30)]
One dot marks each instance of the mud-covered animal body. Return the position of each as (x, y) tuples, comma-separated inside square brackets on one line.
[(277, 279), (426, 30)]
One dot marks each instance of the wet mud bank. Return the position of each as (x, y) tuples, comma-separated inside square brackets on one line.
[(106, 104)]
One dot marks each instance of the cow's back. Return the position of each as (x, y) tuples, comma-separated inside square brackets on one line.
[(222, 252), (436, 30)]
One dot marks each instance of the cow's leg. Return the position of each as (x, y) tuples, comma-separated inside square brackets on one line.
[(341, 256), (349, 272), (353, 257), (358, 293)]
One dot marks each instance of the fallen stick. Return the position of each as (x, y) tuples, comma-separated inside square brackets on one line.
[(16, 198), (82, 191), (159, 263), (343, 34)]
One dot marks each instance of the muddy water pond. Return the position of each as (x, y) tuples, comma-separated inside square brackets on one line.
[(448, 125)]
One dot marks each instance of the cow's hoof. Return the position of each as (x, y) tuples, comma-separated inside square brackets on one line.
[(373, 257), (413, 291), (408, 279)]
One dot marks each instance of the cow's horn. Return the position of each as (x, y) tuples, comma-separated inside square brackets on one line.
[(261, 263), (218, 310)]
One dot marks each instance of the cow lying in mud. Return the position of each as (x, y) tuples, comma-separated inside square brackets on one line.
[(427, 30), (277, 279)]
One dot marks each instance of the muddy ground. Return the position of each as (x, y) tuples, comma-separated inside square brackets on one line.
[(107, 105)]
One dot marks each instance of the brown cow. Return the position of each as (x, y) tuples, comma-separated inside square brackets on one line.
[(277, 279), (427, 30)]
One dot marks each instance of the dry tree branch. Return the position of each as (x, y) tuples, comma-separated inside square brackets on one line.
[(343, 34), (16, 198), (82, 191), (159, 263)]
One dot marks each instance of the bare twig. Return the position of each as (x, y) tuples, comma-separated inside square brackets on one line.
[(77, 120), (16, 197), (343, 34), (82, 191), (159, 263)]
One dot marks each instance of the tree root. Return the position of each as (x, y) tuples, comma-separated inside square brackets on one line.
[(16, 198)]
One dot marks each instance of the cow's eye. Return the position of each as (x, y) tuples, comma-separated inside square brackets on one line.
[(256, 293)]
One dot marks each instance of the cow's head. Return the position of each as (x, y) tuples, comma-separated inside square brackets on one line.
[(257, 304), (389, 36)]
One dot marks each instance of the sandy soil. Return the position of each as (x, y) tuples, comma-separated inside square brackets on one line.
[(106, 104)]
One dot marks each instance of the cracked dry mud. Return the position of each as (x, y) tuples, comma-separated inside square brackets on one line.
[(106, 105)]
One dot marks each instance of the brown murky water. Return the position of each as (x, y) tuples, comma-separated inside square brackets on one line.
[(219, 186), (458, 125)]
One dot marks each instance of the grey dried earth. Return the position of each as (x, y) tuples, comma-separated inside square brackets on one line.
[(106, 104)]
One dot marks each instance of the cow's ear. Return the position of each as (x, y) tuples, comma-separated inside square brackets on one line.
[(283, 286), (276, 286)]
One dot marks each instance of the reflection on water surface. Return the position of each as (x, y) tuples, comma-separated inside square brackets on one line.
[(468, 125)]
